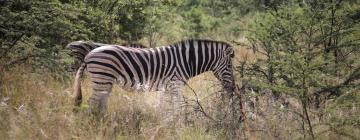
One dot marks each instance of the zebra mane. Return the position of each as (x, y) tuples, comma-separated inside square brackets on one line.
[(134, 45), (97, 44), (201, 40), (87, 43)]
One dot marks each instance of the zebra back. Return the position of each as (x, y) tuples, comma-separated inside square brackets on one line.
[(79, 49), (133, 45)]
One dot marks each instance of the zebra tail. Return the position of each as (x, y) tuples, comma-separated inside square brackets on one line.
[(77, 84)]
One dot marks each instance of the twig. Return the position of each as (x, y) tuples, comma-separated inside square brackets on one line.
[(5, 51), (243, 115), (201, 109)]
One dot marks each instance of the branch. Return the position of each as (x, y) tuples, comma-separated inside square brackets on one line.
[(347, 83), (240, 43), (353, 76), (259, 70), (11, 46), (201, 109), (339, 132), (20, 60), (238, 92)]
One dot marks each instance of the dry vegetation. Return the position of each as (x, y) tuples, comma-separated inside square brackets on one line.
[(37, 106), (40, 107)]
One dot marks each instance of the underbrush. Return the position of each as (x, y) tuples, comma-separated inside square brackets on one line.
[(39, 106)]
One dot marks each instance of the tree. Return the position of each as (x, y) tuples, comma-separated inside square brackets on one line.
[(304, 47), (35, 32)]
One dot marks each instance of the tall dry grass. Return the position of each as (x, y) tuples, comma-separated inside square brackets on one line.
[(39, 106)]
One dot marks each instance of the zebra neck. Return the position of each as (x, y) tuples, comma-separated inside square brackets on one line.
[(198, 57)]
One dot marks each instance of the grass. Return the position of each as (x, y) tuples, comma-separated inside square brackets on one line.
[(39, 106)]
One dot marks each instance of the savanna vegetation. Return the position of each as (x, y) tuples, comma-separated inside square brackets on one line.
[(296, 64)]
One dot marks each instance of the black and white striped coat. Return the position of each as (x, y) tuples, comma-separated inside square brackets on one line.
[(79, 49), (164, 68)]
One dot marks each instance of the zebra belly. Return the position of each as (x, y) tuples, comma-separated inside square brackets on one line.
[(148, 86)]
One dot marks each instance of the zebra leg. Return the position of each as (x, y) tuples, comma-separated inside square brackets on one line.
[(99, 98), (171, 102), (177, 101)]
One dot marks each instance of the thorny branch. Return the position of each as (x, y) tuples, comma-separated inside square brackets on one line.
[(201, 109)]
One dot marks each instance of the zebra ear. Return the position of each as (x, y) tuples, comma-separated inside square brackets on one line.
[(229, 52)]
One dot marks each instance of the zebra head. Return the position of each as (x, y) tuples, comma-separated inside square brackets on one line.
[(76, 51), (223, 70), (79, 49)]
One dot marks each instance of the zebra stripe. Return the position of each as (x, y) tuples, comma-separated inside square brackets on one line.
[(164, 68), (79, 49)]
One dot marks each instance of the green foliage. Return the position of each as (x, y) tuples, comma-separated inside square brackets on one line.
[(299, 43), (36, 32), (309, 52), (131, 18)]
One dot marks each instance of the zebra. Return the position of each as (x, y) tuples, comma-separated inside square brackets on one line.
[(79, 49), (165, 68)]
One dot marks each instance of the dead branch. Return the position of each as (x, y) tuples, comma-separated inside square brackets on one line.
[(201, 108)]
